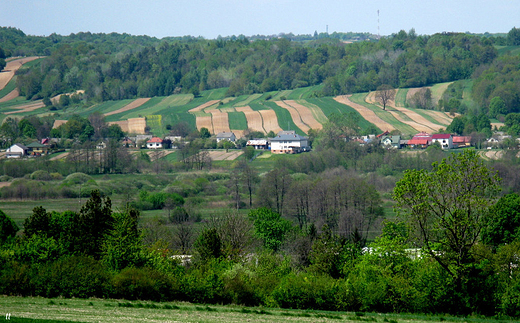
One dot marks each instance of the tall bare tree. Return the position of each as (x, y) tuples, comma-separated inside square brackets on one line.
[(384, 94)]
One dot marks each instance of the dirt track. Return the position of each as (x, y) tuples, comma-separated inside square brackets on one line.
[(366, 113)]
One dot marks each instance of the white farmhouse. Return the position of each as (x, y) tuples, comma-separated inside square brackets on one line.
[(289, 143), (226, 136)]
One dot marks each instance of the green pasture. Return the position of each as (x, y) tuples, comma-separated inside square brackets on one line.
[(13, 104), (400, 97), (359, 98), (284, 118), (508, 50), (38, 309), (427, 116), (438, 90), (245, 100), (105, 107), (281, 94), (304, 92), (466, 95), (164, 105)]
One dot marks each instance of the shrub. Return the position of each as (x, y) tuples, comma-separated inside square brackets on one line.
[(305, 291), (142, 283), (41, 175), (77, 178), (73, 276)]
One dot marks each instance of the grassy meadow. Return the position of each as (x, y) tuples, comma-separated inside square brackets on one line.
[(37, 309)]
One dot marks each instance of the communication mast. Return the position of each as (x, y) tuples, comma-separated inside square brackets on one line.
[(378, 34)]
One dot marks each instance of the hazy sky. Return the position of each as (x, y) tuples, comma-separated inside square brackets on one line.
[(210, 19)]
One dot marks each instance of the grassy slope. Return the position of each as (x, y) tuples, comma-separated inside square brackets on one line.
[(400, 97), (9, 87)]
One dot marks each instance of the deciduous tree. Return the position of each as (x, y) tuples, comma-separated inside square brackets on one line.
[(446, 206), (384, 94)]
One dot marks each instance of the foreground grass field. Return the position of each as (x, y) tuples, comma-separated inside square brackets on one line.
[(33, 309)]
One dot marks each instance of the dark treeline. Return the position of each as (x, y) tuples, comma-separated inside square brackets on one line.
[(245, 66)]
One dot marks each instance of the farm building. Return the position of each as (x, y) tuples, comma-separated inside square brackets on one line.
[(258, 143), (289, 143), (461, 141), (446, 140), (16, 151), (420, 140), (226, 136), (37, 149)]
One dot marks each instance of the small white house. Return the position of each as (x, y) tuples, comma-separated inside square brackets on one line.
[(154, 143), (226, 136), (16, 151), (291, 143)]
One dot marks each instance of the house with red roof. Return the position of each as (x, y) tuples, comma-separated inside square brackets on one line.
[(154, 143), (420, 140), (445, 139), (461, 141)]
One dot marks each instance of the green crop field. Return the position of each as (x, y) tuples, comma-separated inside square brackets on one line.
[(36, 309), (9, 87), (237, 120)]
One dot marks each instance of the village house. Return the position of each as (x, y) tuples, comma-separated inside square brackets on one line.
[(391, 142), (226, 136), (16, 151), (154, 143), (445, 140), (288, 142)]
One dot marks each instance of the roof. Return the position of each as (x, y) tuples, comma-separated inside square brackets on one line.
[(155, 139), (225, 135), (393, 139), (418, 141), (441, 136), (36, 145), (292, 137), (287, 132), (257, 142), (461, 139), (20, 145)]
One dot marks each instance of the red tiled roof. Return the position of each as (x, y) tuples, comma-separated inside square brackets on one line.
[(155, 139), (416, 141), (461, 139)]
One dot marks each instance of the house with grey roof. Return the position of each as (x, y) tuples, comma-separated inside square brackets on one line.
[(289, 143), (226, 136), (16, 151)]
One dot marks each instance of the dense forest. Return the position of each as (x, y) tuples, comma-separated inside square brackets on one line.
[(121, 66)]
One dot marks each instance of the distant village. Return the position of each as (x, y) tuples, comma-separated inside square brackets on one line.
[(285, 142)]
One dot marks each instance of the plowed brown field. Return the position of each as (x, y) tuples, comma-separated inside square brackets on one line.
[(132, 125), (220, 121), (305, 114), (270, 121), (297, 119), (366, 113), (204, 122), (11, 95), (132, 105), (254, 118), (27, 107), (418, 122)]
